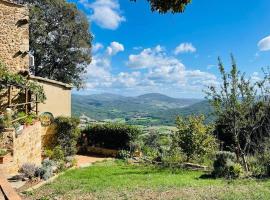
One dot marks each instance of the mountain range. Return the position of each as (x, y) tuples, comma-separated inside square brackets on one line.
[(147, 109)]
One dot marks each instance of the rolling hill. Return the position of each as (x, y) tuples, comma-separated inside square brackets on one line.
[(148, 109)]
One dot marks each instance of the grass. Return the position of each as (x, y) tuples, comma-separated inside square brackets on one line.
[(118, 180)]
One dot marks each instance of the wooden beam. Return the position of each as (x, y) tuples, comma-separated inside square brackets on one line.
[(37, 105), (26, 101), (8, 192), (9, 96)]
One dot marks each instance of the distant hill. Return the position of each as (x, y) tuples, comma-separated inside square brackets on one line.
[(148, 109)]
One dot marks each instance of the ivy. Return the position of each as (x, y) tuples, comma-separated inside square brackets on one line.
[(11, 79)]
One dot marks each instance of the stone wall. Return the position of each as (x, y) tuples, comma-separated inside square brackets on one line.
[(14, 36), (25, 148)]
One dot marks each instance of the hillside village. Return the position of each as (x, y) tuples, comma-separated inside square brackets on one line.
[(60, 140)]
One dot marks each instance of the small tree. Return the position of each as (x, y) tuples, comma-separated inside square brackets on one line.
[(239, 108), (194, 137)]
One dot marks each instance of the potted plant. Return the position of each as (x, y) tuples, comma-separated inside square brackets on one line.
[(3, 152)]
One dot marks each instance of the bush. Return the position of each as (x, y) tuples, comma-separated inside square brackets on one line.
[(259, 164), (123, 154), (173, 158), (58, 154), (46, 171), (225, 166), (112, 135), (48, 153), (194, 137), (67, 134), (28, 170)]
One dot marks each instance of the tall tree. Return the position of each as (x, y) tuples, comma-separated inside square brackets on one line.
[(164, 6), (240, 110), (59, 40)]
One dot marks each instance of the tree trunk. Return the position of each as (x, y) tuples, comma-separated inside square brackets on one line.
[(245, 162)]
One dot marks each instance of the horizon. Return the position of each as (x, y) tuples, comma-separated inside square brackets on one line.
[(123, 95)]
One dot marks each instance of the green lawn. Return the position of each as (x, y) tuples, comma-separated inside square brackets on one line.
[(117, 180)]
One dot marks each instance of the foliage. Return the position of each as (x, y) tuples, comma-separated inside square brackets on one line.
[(28, 170), (240, 110), (164, 6), (173, 158), (46, 170), (67, 134), (3, 152), (123, 154), (48, 153), (112, 135), (8, 78), (259, 163), (59, 40), (193, 137), (58, 153), (225, 165)]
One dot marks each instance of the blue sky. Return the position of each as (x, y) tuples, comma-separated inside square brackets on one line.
[(136, 51)]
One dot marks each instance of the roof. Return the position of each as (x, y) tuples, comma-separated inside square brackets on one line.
[(17, 3), (46, 80)]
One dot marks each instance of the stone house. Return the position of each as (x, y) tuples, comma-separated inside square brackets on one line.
[(14, 48), (14, 53)]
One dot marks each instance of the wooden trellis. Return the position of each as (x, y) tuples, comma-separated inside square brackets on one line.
[(26, 104)]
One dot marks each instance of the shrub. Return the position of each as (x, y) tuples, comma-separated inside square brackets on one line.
[(225, 166), (3, 152), (46, 170), (259, 164), (58, 154), (123, 154), (48, 153), (194, 137), (236, 170), (173, 158), (28, 170), (112, 135), (67, 134)]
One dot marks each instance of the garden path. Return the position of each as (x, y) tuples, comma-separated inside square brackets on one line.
[(86, 161)]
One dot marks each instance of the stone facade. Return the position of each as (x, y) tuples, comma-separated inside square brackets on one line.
[(26, 148), (14, 36)]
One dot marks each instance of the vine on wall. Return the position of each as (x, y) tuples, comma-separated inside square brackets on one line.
[(11, 79)]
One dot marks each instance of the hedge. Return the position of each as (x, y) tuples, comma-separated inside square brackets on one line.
[(112, 135)]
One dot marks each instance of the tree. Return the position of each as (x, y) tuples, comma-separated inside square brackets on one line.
[(164, 6), (194, 138), (59, 40), (240, 110)]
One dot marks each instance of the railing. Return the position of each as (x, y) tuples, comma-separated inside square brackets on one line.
[(26, 104)]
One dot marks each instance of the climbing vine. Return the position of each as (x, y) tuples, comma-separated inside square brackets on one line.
[(11, 79)]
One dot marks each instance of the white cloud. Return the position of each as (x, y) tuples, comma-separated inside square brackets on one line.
[(151, 70), (167, 70), (96, 47), (150, 58), (106, 13), (264, 44), (184, 48), (114, 48)]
